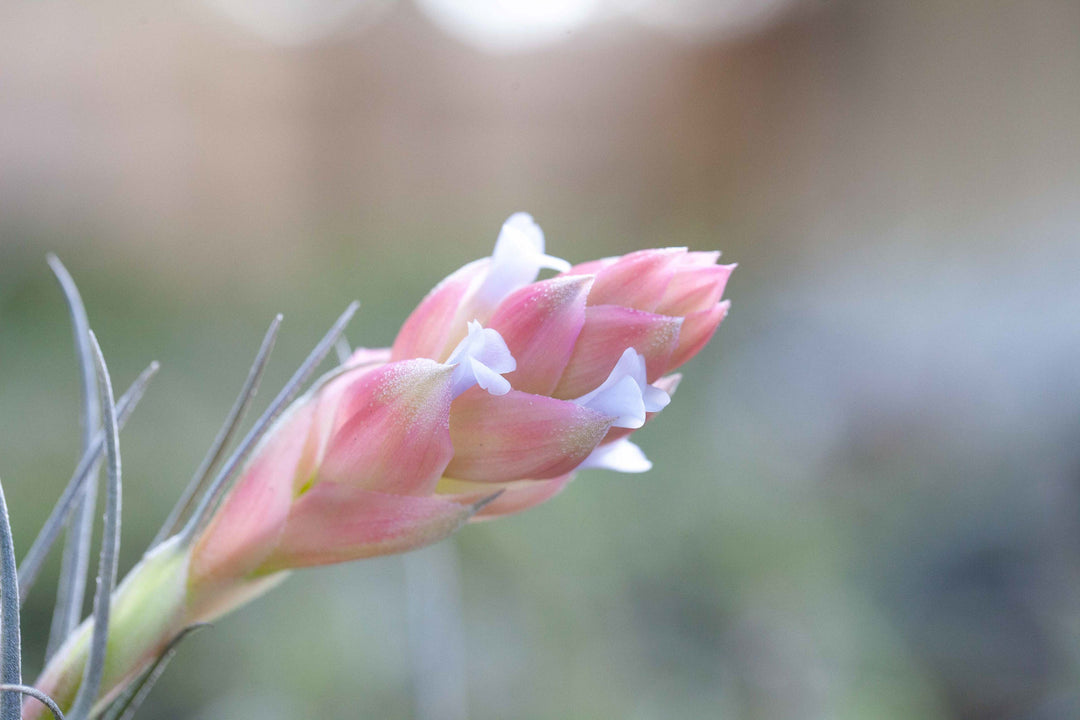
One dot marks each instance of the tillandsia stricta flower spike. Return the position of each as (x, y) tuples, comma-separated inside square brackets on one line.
[(497, 389)]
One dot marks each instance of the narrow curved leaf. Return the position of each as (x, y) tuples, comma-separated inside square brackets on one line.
[(110, 548), (10, 641), (217, 489), (37, 695), (125, 706), (75, 563), (224, 436)]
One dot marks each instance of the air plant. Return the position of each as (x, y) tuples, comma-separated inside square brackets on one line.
[(496, 391)]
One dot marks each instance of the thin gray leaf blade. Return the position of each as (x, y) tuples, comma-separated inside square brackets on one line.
[(110, 547), (343, 349), (224, 436), (213, 495), (75, 563), (80, 326), (10, 640), (129, 702), (36, 694)]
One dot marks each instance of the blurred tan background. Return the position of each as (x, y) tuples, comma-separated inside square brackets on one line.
[(866, 499)]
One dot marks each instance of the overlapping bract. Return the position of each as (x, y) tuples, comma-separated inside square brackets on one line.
[(496, 389)]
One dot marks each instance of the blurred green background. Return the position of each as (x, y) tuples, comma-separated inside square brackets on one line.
[(865, 497)]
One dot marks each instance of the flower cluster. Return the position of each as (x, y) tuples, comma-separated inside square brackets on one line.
[(495, 391)]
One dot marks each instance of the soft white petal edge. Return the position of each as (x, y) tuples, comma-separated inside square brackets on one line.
[(620, 456), (625, 395), (517, 259)]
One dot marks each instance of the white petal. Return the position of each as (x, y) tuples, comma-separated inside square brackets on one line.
[(517, 259), (523, 222), (488, 379), (655, 398), (492, 351), (635, 366), (480, 359), (620, 456), (622, 369), (622, 401), (625, 395), (550, 262)]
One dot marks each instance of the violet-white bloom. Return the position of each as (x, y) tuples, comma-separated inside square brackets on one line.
[(475, 291), (517, 259), (620, 456), (481, 359), (625, 395)]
